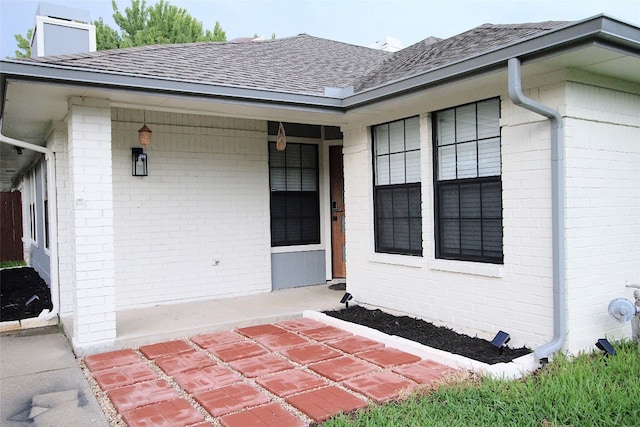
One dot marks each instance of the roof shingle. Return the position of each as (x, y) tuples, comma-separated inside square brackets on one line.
[(301, 64), (426, 55)]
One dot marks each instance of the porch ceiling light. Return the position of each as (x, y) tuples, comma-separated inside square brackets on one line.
[(501, 339), (281, 140), (144, 133), (138, 162), (346, 298), (606, 346), (144, 136)]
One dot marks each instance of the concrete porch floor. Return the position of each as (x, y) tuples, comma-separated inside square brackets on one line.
[(138, 327)]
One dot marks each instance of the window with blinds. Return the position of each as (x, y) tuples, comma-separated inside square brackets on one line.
[(468, 185), (295, 212), (397, 187)]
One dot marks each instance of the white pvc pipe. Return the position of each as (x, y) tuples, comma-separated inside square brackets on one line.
[(53, 216)]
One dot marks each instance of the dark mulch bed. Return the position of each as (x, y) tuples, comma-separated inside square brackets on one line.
[(430, 335), (23, 294)]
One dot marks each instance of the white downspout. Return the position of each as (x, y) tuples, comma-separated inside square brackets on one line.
[(543, 352), (53, 216)]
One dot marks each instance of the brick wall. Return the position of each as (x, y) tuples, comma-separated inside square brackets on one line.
[(474, 298), (91, 216), (602, 220), (198, 226), (603, 206)]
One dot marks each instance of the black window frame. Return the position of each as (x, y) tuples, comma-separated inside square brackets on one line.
[(391, 220), (299, 211), (482, 187)]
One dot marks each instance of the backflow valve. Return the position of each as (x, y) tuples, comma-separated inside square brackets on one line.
[(623, 310)]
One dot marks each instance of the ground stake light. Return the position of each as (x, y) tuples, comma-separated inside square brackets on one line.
[(606, 346), (346, 298), (501, 339)]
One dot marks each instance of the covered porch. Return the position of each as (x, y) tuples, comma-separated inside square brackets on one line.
[(142, 326)]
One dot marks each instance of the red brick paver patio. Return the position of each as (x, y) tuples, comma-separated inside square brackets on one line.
[(290, 373)]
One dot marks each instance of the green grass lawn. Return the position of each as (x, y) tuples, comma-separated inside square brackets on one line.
[(8, 264), (587, 390)]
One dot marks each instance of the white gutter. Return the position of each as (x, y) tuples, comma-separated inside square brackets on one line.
[(53, 217), (543, 352)]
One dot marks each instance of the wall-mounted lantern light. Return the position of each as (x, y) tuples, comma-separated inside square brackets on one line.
[(139, 162)]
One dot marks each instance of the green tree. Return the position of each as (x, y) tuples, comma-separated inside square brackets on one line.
[(24, 44), (161, 23), (106, 37)]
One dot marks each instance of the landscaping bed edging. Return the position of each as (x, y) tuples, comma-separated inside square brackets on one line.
[(28, 323), (513, 370)]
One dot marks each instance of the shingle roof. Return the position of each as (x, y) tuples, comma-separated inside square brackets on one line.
[(427, 55), (301, 64)]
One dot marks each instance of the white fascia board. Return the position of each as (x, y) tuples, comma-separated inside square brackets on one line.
[(599, 30), (106, 80)]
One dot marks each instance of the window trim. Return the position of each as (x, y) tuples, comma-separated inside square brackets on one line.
[(461, 182)]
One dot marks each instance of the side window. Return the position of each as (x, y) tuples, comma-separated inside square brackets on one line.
[(397, 187), (295, 210), (468, 185)]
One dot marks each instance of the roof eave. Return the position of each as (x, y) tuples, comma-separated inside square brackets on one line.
[(599, 30), (20, 70)]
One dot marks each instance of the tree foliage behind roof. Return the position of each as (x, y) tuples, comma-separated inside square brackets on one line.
[(24, 44), (161, 23)]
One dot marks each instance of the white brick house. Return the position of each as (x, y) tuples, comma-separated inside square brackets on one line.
[(450, 210)]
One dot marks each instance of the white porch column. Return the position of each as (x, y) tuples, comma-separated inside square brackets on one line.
[(90, 183)]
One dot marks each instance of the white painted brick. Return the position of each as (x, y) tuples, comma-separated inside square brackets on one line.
[(88, 213), (519, 300), (205, 197), (603, 243)]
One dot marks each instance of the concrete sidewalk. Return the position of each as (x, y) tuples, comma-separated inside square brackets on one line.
[(41, 382)]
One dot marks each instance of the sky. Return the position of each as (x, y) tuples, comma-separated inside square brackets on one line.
[(360, 22)]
